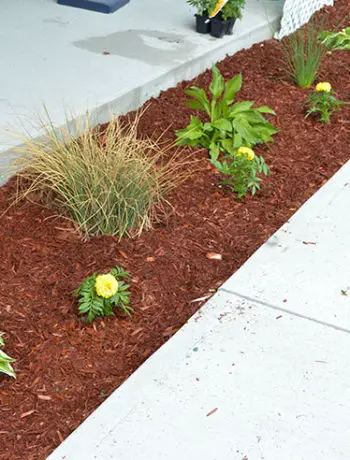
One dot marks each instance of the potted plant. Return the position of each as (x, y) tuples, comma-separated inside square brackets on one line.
[(202, 15), (224, 17)]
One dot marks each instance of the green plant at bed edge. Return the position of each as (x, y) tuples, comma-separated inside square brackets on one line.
[(100, 293), (336, 40), (304, 54), (229, 126), (5, 361), (241, 170), (323, 102)]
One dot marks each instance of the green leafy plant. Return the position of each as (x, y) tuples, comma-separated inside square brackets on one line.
[(229, 125), (5, 361), (233, 9), (201, 6), (322, 101), (108, 181), (336, 40), (304, 54), (242, 169), (99, 294)]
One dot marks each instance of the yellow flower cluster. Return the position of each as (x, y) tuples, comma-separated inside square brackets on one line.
[(106, 285), (246, 152), (324, 86)]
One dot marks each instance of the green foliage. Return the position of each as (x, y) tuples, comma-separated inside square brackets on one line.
[(336, 40), (304, 54), (5, 361), (200, 5), (233, 9), (230, 125), (242, 173), (109, 182), (92, 305), (324, 104)]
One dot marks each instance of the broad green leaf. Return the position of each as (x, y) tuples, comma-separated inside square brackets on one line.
[(199, 95), (194, 104), (253, 116), (207, 127), (217, 84), (222, 124), (265, 109), (5, 364), (195, 121), (222, 109), (237, 141), (214, 151), (194, 133), (228, 146), (232, 87), (240, 107), (244, 129)]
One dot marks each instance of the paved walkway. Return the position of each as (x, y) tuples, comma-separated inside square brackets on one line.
[(260, 372), (73, 60)]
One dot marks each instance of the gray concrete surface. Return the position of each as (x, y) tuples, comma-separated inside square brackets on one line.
[(72, 59), (260, 372)]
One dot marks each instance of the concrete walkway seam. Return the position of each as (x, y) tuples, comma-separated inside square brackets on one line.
[(285, 310)]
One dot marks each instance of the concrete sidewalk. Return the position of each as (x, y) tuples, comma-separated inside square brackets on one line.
[(74, 60), (260, 372)]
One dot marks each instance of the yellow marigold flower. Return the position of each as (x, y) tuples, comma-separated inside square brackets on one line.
[(106, 285), (324, 86), (247, 152)]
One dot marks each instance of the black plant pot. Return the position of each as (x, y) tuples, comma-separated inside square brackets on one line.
[(219, 26), (202, 23), (231, 23)]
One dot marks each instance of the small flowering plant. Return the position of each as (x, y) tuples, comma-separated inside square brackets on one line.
[(5, 361), (323, 102), (242, 168), (99, 294)]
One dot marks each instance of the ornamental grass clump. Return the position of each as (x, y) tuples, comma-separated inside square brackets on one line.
[(323, 102), (107, 181), (304, 54), (99, 294)]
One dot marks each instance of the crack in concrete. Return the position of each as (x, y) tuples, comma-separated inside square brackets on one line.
[(285, 310)]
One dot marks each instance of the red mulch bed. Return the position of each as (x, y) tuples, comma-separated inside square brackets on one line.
[(65, 367)]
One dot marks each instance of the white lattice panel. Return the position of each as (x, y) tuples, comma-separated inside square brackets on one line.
[(298, 12)]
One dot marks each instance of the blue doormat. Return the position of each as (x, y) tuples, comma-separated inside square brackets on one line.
[(102, 6)]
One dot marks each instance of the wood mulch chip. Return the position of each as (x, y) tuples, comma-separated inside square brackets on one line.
[(65, 367)]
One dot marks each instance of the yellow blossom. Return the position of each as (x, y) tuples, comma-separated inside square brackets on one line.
[(247, 152), (106, 285), (324, 86)]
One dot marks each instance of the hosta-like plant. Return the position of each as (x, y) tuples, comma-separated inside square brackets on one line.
[(229, 125), (336, 40), (5, 361), (100, 294)]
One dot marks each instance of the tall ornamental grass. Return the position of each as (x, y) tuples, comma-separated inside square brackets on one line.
[(304, 54), (107, 182)]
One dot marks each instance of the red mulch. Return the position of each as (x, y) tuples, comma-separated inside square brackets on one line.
[(65, 367)]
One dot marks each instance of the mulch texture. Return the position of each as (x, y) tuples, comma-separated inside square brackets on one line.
[(65, 367)]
